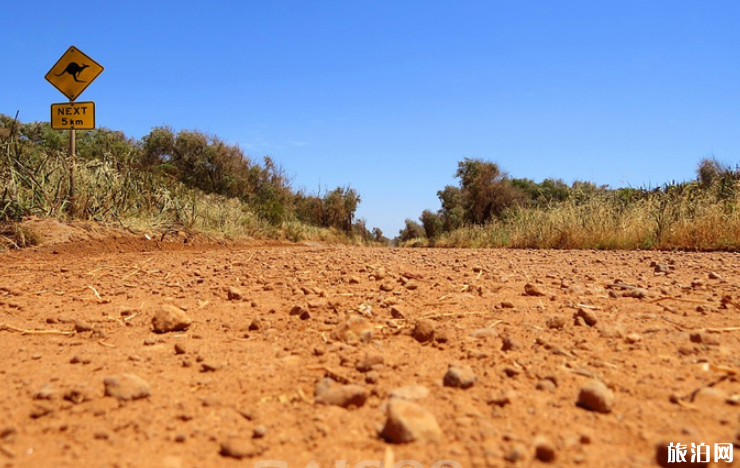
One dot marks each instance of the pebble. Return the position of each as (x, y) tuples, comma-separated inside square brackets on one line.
[(534, 290), (169, 318), (180, 348), (409, 392), (637, 293), (596, 396), (409, 422), (424, 330), (702, 337), (397, 313), (259, 432), (544, 450), (556, 323), (353, 330), (344, 396), (633, 338), (82, 326), (507, 305), (238, 448), (484, 333), (234, 294), (714, 275), (126, 387), (709, 396), (509, 343), (588, 316), (370, 362), (459, 376)]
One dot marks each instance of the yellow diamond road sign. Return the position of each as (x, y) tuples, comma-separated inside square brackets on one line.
[(73, 116), (73, 72)]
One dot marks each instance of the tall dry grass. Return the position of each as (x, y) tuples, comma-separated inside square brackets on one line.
[(140, 201), (686, 217)]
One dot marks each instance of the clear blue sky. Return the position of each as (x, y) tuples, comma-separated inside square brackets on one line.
[(387, 96)]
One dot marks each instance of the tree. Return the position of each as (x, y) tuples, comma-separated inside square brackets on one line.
[(411, 230), (432, 223), (486, 190)]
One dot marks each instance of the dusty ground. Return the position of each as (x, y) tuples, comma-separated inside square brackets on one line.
[(249, 386)]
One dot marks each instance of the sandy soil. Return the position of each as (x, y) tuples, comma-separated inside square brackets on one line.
[(247, 380)]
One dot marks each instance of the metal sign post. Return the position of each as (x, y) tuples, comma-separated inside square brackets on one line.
[(72, 74)]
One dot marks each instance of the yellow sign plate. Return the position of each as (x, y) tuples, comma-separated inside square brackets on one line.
[(73, 72), (73, 116)]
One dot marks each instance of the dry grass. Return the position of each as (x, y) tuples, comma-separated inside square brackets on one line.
[(683, 217)]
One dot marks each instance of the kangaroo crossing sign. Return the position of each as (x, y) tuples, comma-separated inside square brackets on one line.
[(73, 72)]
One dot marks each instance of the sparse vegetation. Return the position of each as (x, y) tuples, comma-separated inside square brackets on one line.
[(489, 209), (169, 180)]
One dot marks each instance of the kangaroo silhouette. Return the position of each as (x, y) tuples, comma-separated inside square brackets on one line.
[(74, 69)]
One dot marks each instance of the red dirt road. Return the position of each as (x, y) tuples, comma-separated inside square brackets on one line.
[(238, 391)]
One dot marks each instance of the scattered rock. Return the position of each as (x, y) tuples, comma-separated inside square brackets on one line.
[(662, 268), (126, 387), (709, 396), (180, 348), (544, 450), (459, 376), (534, 290), (714, 275), (397, 313), (344, 396), (259, 432), (234, 294), (637, 293), (424, 330), (255, 324), (370, 362), (82, 326), (588, 316), (509, 343), (705, 338), (297, 310), (633, 338), (556, 323), (484, 333), (596, 396), (354, 280), (353, 330), (169, 318), (409, 422), (444, 335), (507, 305), (238, 448)]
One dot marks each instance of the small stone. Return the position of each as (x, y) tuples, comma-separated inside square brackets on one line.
[(82, 326), (344, 396), (259, 432), (126, 387), (714, 275), (484, 333), (459, 376), (556, 323), (424, 330), (370, 361), (409, 422), (546, 385), (662, 268), (544, 450), (633, 338), (353, 330), (588, 316), (534, 290), (509, 343), (507, 305), (596, 396), (397, 313), (444, 335), (234, 294), (709, 396), (354, 280), (386, 287), (210, 366), (411, 285), (297, 310), (169, 318), (703, 337), (238, 449), (255, 324), (637, 293), (180, 348)]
